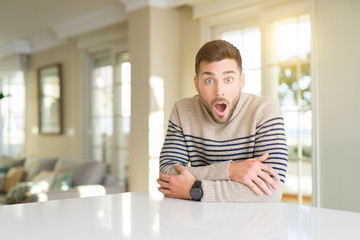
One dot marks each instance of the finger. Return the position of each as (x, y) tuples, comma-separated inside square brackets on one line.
[(164, 177), (262, 157), (266, 177), (271, 171), (163, 184), (254, 188), (166, 192), (261, 184)]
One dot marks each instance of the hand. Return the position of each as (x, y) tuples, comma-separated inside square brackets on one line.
[(255, 174), (176, 186)]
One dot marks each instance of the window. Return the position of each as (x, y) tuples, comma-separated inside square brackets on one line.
[(276, 63), (12, 114), (248, 41), (110, 112), (290, 68)]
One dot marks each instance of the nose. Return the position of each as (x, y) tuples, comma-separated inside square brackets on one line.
[(219, 89)]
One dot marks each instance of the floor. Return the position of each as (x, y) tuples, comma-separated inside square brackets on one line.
[(292, 198)]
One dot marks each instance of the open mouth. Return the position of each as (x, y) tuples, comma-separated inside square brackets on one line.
[(220, 108)]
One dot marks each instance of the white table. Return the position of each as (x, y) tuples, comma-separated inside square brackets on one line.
[(138, 216)]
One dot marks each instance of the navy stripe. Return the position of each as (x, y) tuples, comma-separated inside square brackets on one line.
[(171, 152), (175, 126), (223, 141), (271, 130), (276, 144), (219, 155), (271, 135), (270, 120), (167, 157), (277, 163), (273, 139), (279, 169)]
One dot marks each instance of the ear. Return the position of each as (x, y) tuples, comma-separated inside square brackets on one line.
[(242, 80), (196, 82)]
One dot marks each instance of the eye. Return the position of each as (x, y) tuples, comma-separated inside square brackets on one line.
[(228, 80), (209, 81)]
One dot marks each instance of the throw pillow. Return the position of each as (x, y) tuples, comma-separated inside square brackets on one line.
[(2, 179), (62, 181), (34, 166), (45, 180), (23, 192), (13, 176)]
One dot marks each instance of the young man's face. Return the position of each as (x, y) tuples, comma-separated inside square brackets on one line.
[(219, 85)]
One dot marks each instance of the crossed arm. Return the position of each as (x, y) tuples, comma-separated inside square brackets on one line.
[(251, 174)]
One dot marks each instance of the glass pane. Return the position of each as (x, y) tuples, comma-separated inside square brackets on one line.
[(124, 131), (253, 82), (235, 38), (12, 115), (304, 37), (97, 139), (286, 38), (102, 102), (248, 41), (306, 136), (97, 154), (287, 85), (252, 49), (305, 86), (291, 128), (123, 161), (126, 99)]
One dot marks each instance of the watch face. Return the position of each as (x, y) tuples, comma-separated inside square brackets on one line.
[(196, 193)]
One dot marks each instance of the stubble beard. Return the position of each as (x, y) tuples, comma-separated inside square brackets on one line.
[(210, 109)]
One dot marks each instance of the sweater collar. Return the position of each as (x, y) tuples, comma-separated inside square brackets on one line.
[(239, 105)]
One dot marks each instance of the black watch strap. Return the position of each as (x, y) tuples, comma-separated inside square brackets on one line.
[(197, 184)]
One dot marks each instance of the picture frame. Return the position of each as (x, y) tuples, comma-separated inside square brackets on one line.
[(50, 99)]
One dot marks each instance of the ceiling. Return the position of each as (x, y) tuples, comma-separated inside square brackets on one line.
[(31, 25), (27, 26)]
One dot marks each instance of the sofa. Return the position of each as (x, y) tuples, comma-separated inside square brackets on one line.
[(44, 179)]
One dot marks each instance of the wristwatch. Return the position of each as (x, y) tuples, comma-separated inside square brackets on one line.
[(196, 191)]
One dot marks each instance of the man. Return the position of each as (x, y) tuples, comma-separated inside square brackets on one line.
[(222, 144)]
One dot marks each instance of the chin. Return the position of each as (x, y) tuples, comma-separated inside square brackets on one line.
[(220, 120)]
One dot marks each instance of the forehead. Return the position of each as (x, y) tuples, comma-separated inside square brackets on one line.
[(221, 66)]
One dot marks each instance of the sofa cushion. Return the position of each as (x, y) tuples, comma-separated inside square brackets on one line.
[(34, 166), (13, 176), (6, 163), (82, 172)]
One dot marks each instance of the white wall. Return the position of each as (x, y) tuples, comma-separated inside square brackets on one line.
[(338, 84)]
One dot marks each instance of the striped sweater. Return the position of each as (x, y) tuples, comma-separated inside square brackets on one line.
[(206, 148)]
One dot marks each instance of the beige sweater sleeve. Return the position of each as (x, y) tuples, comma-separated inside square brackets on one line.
[(230, 191)]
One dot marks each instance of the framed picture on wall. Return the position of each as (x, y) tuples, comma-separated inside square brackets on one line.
[(50, 102)]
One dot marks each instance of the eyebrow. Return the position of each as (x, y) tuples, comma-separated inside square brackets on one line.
[(224, 73)]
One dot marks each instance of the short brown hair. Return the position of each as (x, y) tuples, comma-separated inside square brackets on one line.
[(215, 51)]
